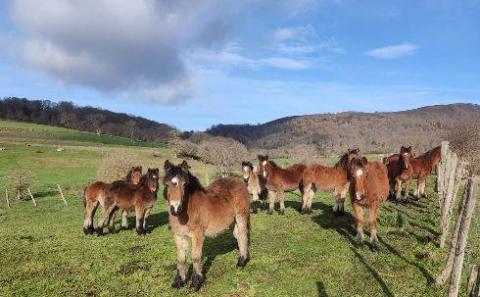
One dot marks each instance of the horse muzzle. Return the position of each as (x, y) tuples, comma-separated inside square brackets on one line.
[(175, 208)]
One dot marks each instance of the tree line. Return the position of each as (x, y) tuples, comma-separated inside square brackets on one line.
[(68, 115)]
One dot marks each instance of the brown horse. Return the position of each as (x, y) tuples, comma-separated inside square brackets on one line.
[(196, 212), (95, 194), (140, 198), (368, 188), (278, 180), (423, 166), (255, 184), (334, 178)]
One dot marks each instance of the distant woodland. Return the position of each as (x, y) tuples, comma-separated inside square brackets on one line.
[(66, 114), (423, 128)]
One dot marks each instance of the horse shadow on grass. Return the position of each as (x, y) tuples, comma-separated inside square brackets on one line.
[(322, 292), (220, 245), (154, 221)]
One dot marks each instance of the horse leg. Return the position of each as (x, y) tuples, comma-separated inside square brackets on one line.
[(398, 188), (181, 243), (125, 219), (338, 208), (197, 245), (139, 214), (240, 232), (145, 225), (405, 194), (358, 214), (271, 201), (106, 211), (89, 212), (111, 222), (306, 191), (422, 181), (372, 219), (254, 202), (281, 197)]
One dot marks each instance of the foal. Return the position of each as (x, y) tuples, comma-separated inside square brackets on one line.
[(403, 173), (423, 166), (255, 184), (368, 188), (278, 180), (140, 198), (335, 179), (196, 212), (95, 194)]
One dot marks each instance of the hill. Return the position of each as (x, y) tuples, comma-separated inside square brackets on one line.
[(380, 131), (67, 115)]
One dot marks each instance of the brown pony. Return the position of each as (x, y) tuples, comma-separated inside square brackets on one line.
[(95, 194), (335, 179), (368, 188), (255, 184), (278, 180), (196, 212), (423, 166), (140, 198)]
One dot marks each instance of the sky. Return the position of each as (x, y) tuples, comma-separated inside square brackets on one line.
[(193, 64)]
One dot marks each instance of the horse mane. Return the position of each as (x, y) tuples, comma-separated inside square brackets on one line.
[(343, 162), (129, 175)]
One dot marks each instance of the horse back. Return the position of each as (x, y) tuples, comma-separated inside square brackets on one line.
[(289, 178), (96, 191), (326, 178)]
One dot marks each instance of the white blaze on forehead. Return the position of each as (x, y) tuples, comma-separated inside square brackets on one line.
[(405, 154), (174, 180), (264, 163), (359, 172), (245, 168)]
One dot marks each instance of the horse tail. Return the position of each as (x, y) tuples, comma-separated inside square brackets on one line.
[(84, 197)]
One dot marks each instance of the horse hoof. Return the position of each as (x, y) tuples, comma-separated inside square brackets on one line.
[(196, 281), (88, 231), (242, 262), (140, 231), (270, 212), (100, 232), (375, 247), (112, 230), (178, 282), (282, 212)]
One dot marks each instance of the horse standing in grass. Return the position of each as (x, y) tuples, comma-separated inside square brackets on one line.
[(95, 194), (196, 212), (423, 166), (278, 180), (368, 188), (140, 198), (334, 178), (255, 184)]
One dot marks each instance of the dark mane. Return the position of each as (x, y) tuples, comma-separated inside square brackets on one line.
[(343, 162), (192, 183)]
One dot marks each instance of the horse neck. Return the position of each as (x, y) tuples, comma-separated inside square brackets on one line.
[(192, 187)]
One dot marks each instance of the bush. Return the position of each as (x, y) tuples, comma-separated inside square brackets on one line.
[(115, 167), (465, 141), (20, 181)]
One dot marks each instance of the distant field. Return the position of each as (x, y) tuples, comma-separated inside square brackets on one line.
[(27, 132), (44, 252)]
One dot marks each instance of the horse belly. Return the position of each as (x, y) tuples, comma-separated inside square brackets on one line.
[(218, 222)]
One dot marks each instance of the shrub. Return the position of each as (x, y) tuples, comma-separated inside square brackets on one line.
[(465, 141), (115, 167), (20, 181)]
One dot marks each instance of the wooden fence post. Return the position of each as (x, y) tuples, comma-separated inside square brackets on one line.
[(452, 176), (31, 196), (447, 270), (6, 198), (472, 282), (61, 195), (441, 170), (462, 237)]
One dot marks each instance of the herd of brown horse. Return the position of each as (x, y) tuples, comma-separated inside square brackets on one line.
[(197, 212)]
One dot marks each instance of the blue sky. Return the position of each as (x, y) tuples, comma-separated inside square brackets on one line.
[(193, 64)]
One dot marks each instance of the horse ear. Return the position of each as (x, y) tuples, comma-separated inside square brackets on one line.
[(184, 166), (260, 157), (410, 148), (167, 166), (140, 168), (266, 157), (364, 161)]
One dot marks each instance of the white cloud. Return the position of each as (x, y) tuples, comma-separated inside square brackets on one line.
[(120, 46), (292, 33), (393, 51)]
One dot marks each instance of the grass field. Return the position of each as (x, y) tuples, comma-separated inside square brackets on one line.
[(43, 251)]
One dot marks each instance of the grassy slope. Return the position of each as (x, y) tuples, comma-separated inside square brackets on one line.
[(44, 252), (18, 132)]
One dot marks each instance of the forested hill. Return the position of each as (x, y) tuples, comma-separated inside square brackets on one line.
[(381, 131), (68, 115)]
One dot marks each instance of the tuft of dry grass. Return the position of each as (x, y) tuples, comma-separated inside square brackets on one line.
[(20, 181)]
